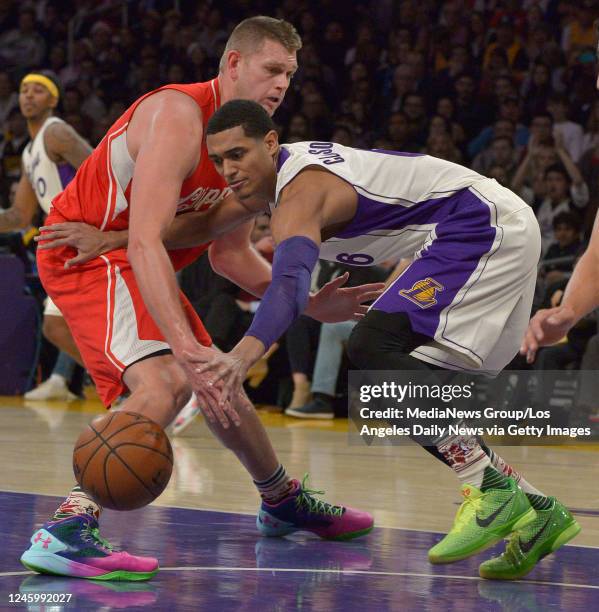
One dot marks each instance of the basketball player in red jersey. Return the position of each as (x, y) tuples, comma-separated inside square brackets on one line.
[(133, 326)]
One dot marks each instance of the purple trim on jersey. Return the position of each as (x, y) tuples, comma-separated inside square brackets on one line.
[(283, 157), (398, 153), (463, 239), (66, 172), (372, 214)]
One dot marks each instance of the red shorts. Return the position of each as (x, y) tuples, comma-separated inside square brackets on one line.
[(105, 312)]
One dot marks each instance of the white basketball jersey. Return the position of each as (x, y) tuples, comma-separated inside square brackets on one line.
[(47, 177), (402, 197)]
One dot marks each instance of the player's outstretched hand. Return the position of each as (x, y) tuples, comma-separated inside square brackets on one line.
[(89, 241), (209, 388), (547, 327), (335, 303)]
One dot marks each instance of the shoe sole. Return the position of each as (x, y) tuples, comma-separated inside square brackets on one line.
[(302, 415), (283, 530), (53, 565), (514, 525), (561, 538)]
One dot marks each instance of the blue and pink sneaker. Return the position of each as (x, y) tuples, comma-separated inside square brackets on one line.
[(300, 511), (73, 547)]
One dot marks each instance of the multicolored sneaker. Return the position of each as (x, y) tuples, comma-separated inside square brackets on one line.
[(73, 547), (300, 511), (551, 529), (482, 520)]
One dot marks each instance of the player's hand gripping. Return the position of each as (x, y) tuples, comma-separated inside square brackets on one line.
[(335, 303), (89, 241), (214, 399), (548, 326)]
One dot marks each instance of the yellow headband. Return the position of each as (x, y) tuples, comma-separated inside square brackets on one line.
[(33, 77)]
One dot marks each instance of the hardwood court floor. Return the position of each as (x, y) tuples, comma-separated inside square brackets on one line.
[(205, 517)]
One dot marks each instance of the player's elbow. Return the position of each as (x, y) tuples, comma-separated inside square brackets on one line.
[(138, 247), (222, 259)]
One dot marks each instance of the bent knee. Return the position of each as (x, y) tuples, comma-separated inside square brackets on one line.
[(380, 333)]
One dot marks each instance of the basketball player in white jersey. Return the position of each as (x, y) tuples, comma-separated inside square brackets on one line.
[(50, 161), (463, 304)]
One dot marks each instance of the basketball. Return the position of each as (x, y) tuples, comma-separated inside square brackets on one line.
[(123, 460)]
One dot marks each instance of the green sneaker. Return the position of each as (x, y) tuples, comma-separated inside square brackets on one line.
[(482, 520), (551, 529)]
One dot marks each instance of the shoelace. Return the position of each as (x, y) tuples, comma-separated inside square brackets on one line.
[(468, 508), (512, 552), (92, 534), (316, 506)]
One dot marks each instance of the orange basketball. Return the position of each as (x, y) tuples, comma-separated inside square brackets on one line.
[(123, 460)]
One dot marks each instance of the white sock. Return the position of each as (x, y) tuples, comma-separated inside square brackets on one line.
[(505, 468), (466, 458)]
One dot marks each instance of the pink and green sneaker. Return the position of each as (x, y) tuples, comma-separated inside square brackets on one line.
[(300, 511), (73, 547)]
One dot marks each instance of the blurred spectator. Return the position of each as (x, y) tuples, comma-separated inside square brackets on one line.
[(442, 145), (12, 145), (590, 139), (9, 99), (22, 47), (580, 33), (565, 190), (566, 246), (536, 89), (500, 153), (507, 41), (414, 109), (399, 135), (571, 132)]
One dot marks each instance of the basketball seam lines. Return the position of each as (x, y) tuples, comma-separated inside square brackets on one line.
[(119, 458), (154, 450), (105, 441)]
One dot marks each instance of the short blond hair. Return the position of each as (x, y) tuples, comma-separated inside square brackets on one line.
[(249, 35)]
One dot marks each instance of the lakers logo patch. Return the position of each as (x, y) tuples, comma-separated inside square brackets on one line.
[(423, 292)]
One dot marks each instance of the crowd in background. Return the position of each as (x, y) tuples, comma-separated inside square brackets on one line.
[(506, 87)]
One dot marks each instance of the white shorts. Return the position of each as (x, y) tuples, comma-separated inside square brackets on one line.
[(472, 288), (50, 308)]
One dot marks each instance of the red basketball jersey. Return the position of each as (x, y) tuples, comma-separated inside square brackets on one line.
[(101, 190)]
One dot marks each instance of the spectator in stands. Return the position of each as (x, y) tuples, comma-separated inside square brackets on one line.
[(398, 133), (558, 261), (22, 47), (12, 144), (571, 132), (590, 139), (414, 108), (500, 153), (9, 99), (536, 89), (565, 191), (580, 33), (403, 84), (507, 41), (442, 146)]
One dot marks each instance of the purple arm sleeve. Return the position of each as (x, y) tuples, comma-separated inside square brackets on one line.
[(289, 291)]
